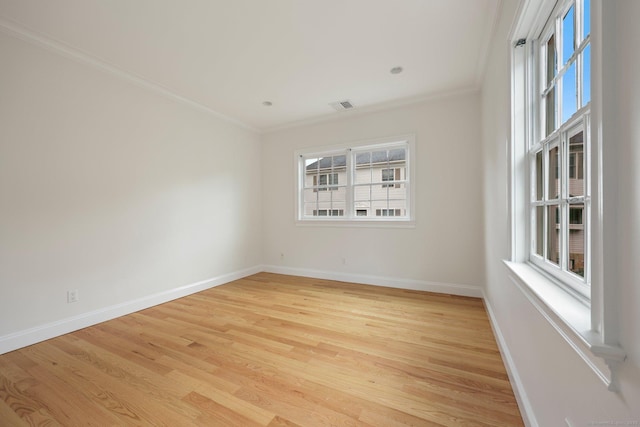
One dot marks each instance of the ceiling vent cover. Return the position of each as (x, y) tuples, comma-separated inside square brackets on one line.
[(342, 105)]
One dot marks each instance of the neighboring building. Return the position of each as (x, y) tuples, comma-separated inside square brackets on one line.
[(576, 235), (379, 184)]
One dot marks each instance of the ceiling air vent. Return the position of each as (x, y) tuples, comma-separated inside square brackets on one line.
[(342, 105)]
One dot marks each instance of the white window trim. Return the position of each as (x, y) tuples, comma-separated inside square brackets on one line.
[(589, 327), (373, 222)]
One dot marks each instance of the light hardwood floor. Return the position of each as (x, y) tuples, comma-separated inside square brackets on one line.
[(270, 350)]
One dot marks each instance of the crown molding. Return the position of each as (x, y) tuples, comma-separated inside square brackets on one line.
[(19, 31)]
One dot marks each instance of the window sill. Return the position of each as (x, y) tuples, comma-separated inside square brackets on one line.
[(570, 318), (385, 223)]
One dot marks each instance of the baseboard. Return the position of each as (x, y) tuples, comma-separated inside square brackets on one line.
[(526, 409), (391, 282), (44, 332)]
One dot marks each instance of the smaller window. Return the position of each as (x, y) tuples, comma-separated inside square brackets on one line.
[(392, 174), (328, 212), (366, 182), (575, 215), (325, 182), (388, 212)]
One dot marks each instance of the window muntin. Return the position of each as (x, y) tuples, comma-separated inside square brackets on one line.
[(559, 198), (359, 183)]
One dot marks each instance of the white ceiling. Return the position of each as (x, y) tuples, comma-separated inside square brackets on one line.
[(230, 56)]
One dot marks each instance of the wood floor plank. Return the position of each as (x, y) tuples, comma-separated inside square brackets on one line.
[(9, 416), (271, 350)]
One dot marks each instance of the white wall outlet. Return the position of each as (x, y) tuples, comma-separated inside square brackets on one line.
[(281, 255), (73, 296)]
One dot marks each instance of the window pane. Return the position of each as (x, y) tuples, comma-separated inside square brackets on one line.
[(569, 93), (539, 174), (333, 181), (550, 112), (553, 187), (338, 197), (568, 35), (540, 230), (379, 157), (310, 201), (576, 165), (576, 239), (551, 59), (364, 171), (315, 202), (553, 234), (394, 197), (339, 162), (586, 19), (387, 174), (586, 75), (311, 171), (379, 166), (397, 155), (362, 196)]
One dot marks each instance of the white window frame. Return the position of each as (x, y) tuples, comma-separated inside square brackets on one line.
[(582, 315), (351, 218)]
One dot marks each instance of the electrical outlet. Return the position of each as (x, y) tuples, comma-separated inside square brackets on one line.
[(344, 261), (281, 255), (73, 296)]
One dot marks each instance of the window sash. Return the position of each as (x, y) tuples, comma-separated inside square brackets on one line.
[(571, 166), (551, 87)]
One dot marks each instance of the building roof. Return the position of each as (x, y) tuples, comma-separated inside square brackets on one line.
[(369, 157)]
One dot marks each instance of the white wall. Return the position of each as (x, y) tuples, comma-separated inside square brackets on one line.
[(444, 246), (112, 189), (556, 382)]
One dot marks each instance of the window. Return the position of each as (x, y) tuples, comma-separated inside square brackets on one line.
[(558, 148), (328, 212), (388, 212), (390, 175), (353, 183), (556, 177), (326, 181)]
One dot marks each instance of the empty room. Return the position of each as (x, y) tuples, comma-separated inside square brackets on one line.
[(319, 213)]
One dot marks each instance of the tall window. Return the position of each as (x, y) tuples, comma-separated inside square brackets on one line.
[(367, 182), (559, 150), (556, 187)]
